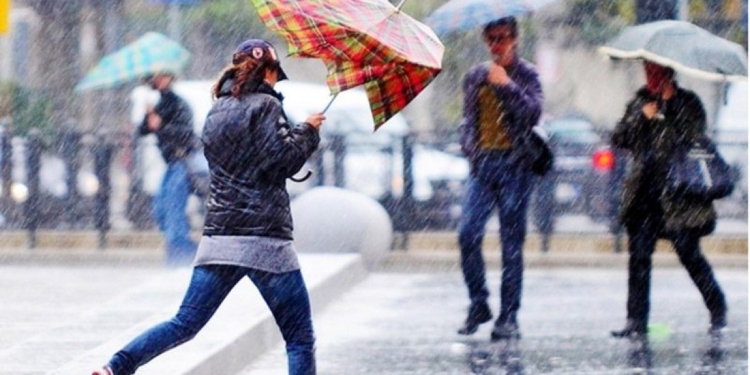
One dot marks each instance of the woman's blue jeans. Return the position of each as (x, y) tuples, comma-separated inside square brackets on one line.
[(285, 294), (169, 212), (496, 183)]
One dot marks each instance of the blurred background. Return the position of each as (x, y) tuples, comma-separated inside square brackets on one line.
[(71, 160)]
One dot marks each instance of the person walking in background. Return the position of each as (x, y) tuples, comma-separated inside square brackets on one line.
[(502, 101), (171, 120), (251, 150), (660, 120)]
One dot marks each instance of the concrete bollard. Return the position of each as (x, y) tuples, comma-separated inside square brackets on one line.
[(333, 220)]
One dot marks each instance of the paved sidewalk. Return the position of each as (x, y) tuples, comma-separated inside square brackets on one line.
[(67, 309), (66, 320)]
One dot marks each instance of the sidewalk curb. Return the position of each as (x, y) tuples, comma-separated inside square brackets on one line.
[(449, 261), (264, 335), (241, 330), (16, 242), (141, 257)]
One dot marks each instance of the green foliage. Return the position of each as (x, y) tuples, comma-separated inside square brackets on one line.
[(594, 22), (419, 9), (698, 7), (28, 109), (227, 21), (143, 19), (220, 21)]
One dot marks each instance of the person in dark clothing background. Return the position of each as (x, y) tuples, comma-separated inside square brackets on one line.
[(171, 120), (251, 150), (502, 103), (660, 120)]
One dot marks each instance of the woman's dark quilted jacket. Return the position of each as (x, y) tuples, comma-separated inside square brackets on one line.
[(251, 151)]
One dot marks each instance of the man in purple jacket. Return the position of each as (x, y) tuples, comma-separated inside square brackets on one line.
[(502, 102)]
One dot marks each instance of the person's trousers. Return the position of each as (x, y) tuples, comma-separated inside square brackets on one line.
[(170, 204), (641, 245), (496, 183), (285, 294)]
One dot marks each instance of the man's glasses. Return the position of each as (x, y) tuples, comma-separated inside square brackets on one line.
[(494, 39)]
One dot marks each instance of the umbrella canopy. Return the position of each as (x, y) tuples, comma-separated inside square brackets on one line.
[(362, 42), (151, 53), (684, 47), (457, 15)]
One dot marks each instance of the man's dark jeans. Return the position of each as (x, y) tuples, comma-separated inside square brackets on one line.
[(643, 233), (170, 203), (285, 294), (495, 183)]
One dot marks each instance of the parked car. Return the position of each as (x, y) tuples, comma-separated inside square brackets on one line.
[(352, 156), (730, 134), (580, 182)]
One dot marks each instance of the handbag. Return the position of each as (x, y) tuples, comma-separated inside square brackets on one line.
[(535, 154), (699, 172)]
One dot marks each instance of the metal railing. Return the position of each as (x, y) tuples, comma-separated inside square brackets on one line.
[(73, 193)]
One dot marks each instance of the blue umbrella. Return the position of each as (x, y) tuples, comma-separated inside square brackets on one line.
[(457, 15), (682, 46), (151, 53)]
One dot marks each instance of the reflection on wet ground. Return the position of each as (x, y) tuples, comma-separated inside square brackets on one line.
[(399, 324), (506, 357), (505, 354)]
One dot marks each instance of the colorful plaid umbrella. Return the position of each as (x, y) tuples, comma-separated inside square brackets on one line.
[(362, 42), (457, 15), (151, 53)]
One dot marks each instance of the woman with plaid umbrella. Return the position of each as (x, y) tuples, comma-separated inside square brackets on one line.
[(251, 150)]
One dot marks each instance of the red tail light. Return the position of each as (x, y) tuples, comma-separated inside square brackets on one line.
[(603, 160)]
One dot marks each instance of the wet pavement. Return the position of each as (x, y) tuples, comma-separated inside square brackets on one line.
[(403, 323), (64, 313), (67, 320)]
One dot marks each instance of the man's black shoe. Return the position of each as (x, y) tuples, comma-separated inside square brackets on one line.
[(478, 314), (717, 324), (505, 331), (631, 330)]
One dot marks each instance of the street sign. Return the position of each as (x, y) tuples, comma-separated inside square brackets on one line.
[(4, 16)]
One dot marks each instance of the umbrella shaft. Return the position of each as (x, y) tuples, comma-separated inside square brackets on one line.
[(329, 103), (401, 4)]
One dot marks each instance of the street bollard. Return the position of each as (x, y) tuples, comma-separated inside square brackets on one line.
[(6, 168), (407, 205), (544, 213), (408, 155), (102, 162), (70, 143), (338, 146), (319, 173), (33, 166)]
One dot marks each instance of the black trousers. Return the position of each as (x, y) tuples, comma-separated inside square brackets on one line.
[(643, 234)]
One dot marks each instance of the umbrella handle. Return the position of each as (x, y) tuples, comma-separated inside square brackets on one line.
[(329, 103)]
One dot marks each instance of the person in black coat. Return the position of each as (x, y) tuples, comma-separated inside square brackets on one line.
[(661, 120), (251, 150)]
